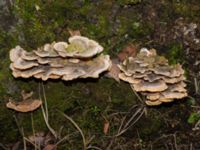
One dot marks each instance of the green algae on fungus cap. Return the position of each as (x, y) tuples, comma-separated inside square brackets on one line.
[(152, 76), (78, 47)]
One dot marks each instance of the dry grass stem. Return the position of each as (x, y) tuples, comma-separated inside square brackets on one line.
[(196, 126), (24, 141), (130, 125), (3, 147), (94, 147), (33, 143), (45, 111), (32, 124), (21, 130), (196, 85), (124, 118), (65, 138), (85, 143), (133, 119), (138, 96)]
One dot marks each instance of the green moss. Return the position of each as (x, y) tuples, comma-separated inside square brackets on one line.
[(152, 125), (187, 8), (139, 30), (8, 125), (129, 2), (113, 26), (193, 118), (175, 51)]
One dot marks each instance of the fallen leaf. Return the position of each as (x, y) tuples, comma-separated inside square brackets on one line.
[(38, 138), (41, 139), (129, 51), (50, 147), (114, 70), (106, 127), (16, 146), (74, 32)]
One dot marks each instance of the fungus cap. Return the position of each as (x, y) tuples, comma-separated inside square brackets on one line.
[(24, 106), (78, 47), (156, 86)]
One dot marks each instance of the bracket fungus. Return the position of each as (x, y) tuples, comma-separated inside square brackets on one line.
[(26, 105), (78, 59), (151, 75)]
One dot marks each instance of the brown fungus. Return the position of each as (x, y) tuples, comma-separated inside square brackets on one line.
[(78, 59), (78, 47), (27, 103), (152, 76)]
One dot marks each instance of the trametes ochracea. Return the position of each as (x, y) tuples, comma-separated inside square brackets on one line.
[(152, 76)]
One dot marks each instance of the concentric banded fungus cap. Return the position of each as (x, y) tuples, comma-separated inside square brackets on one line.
[(152, 76), (16, 52), (25, 106), (47, 63), (46, 51), (27, 103), (79, 47)]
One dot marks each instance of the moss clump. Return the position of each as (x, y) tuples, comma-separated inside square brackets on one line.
[(129, 2), (185, 8), (174, 54), (193, 118), (10, 131), (153, 124)]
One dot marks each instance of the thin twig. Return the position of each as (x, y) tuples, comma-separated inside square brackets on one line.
[(196, 85), (94, 147), (128, 125), (175, 143), (137, 95), (161, 137), (191, 146), (3, 147), (77, 127), (45, 100), (64, 138), (123, 128), (132, 117), (90, 139), (135, 120), (124, 118), (116, 113), (35, 145), (24, 141)]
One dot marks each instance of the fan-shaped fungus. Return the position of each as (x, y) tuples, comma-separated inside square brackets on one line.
[(151, 75)]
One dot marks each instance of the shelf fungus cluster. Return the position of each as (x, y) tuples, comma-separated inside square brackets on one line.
[(151, 75), (68, 61)]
